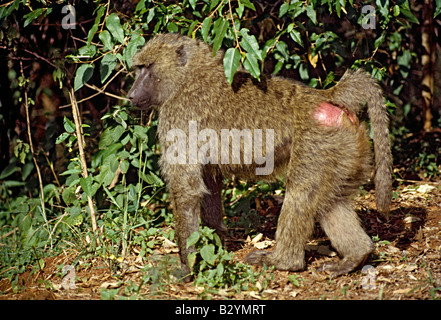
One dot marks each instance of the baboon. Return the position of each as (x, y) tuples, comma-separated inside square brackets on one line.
[(312, 137)]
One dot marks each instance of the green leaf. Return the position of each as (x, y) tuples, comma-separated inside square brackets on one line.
[(217, 240), (395, 41), (193, 4), (172, 27), (27, 169), (83, 74), (303, 71), (112, 199), (220, 30), (240, 10), (252, 65), (4, 13), (75, 218), (220, 270), (147, 178), (296, 36), (338, 8), (191, 28), (231, 63), (135, 43), (69, 126), (151, 15), (115, 28), (396, 10), (107, 65), (41, 264), (404, 60), (68, 195), (87, 51), (193, 239), (109, 151), (283, 9), (248, 4), (106, 175), (124, 166), (62, 137), (191, 259), (207, 253), (10, 169), (206, 24), (140, 132), (94, 29), (86, 185), (310, 12), (437, 9), (106, 39), (71, 171), (31, 16), (140, 6), (213, 4), (250, 45), (383, 8), (294, 280), (409, 15), (109, 136), (380, 40), (123, 155), (283, 49)]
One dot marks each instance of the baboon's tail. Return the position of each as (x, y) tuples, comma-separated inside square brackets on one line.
[(353, 91)]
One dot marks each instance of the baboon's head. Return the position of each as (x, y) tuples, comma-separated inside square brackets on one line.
[(162, 68)]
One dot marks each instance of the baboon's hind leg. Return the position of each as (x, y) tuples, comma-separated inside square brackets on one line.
[(342, 226), (294, 228), (212, 207)]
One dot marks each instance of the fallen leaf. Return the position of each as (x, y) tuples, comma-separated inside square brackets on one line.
[(264, 244), (411, 219), (110, 285), (402, 291), (425, 188), (257, 238)]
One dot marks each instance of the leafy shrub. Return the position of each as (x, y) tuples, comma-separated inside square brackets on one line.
[(213, 266)]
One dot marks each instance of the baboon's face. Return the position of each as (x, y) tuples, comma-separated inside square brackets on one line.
[(143, 93), (161, 71)]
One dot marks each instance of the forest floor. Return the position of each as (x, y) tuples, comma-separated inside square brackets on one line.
[(406, 264)]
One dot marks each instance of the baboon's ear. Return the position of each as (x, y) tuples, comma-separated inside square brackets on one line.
[(182, 55)]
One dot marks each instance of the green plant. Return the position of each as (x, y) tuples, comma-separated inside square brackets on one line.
[(213, 266), (122, 148), (295, 279), (428, 164), (300, 39)]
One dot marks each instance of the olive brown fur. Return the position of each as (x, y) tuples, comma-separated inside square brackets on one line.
[(319, 147)]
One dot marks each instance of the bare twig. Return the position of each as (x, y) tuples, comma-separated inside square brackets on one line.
[(31, 146), (234, 28), (99, 91), (77, 120), (106, 93), (40, 57)]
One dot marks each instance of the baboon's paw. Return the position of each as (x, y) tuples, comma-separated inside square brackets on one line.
[(344, 266), (258, 257), (269, 258)]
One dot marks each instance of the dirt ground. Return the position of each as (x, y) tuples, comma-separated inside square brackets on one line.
[(406, 264)]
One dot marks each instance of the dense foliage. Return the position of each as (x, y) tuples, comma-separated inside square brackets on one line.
[(57, 56)]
